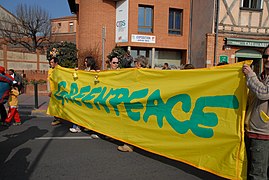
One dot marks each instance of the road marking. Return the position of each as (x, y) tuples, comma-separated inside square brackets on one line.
[(48, 138)]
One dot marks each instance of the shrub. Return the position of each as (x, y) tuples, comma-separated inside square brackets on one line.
[(66, 52)]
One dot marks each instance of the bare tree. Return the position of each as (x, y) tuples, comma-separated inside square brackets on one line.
[(30, 27)]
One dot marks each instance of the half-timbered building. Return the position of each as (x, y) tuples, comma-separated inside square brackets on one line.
[(229, 30)]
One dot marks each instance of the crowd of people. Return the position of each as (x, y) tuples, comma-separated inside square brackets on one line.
[(257, 116)]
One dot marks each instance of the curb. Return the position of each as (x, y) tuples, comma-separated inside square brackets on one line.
[(40, 113)]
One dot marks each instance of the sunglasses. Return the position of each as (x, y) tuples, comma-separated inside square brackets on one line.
[(115, 62), (265, 56)]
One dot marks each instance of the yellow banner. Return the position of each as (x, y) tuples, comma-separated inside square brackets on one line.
[(194, 116)]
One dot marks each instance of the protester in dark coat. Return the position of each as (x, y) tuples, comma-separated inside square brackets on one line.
[(17, 77)]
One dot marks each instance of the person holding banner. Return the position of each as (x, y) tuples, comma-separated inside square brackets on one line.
[(127, 60), (166, 66), (90, 65), (114, 63), (257, 120), (140, 62), (53, 63)]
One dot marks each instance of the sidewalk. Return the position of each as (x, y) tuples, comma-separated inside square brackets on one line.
[(27, 104)]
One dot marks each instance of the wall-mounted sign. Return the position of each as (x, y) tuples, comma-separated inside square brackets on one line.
[(122, 21), (246, 42), (143, 38), (223, 58)]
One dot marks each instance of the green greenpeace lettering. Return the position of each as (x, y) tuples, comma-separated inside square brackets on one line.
[(111, 100)]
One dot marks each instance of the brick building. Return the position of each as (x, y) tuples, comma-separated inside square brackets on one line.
[(157, 30), (64, 29), (33, 66), (237, 28)]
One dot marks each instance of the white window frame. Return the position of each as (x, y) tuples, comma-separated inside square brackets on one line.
[(259, 4), (71, 27)]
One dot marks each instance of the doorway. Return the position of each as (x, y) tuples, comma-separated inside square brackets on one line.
[(250, 54)]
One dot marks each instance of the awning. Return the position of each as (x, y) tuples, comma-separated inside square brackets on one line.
[(248, 53)]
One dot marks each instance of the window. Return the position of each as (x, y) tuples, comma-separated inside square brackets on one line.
[(145, 19), (14, 28), (175, 21), (71, 27), (252, 4)]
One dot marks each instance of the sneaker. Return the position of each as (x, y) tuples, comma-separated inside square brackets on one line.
[(94, 136), (126, 148), (55, 122), (75, 130), (16, 123)]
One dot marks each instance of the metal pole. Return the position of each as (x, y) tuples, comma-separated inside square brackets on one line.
[(216, 32), (103, 46), (152, 57), (36, 94), (190, 36)]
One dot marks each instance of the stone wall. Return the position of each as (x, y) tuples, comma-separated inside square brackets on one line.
[(18, 60), (31, 66)]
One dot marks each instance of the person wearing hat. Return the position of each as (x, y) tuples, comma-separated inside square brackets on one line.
[(5, 86)]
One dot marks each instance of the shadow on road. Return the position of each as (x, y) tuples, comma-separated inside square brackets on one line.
[(177, 164), (58, 131), (9, 167), (20, 161), (182, 166)]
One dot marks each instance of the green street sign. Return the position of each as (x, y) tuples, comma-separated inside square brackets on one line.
[(223, 58)]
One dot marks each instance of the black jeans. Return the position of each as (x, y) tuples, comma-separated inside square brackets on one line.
[(3, 112)]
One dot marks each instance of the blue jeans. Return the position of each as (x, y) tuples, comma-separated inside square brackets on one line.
[(258, 159)]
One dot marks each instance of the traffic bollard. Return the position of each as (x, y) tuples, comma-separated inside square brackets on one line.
[(36, 94)]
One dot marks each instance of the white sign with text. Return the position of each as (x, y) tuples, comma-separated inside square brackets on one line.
[(143, 38)]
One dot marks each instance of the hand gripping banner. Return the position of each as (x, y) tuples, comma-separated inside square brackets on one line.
[(193, 116)]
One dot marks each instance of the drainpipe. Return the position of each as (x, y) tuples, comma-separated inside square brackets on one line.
[(190, 36), (103, 46), (216, 32)]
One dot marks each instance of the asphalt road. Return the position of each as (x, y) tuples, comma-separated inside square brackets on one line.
[(36, 151)]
